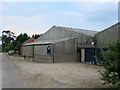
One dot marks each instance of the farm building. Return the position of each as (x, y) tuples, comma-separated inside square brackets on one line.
[(101, 39), (24, 48), (63, 44), (59, 44)]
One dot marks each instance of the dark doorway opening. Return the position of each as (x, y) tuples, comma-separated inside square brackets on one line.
[(89, 55), (48, 50), (79, 51), (80, 55)]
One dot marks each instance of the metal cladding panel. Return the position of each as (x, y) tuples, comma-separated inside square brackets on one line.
[(119, 31), (67, 46), (84, 40), (27, 51), (108, 35), (60, 33), (41, 49), (59, 47), (23, 50), (70, 46), (65, 51), (41, 55)]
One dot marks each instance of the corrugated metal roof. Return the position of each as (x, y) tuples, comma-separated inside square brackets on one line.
[(82, 31), (30, 40), (49, 41)]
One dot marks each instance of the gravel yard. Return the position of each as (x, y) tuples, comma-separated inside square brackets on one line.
[(59, 75)]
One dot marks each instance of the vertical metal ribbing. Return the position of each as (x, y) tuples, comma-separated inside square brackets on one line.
[(33, 53), (53, 52)]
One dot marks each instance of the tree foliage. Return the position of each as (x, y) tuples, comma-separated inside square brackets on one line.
[(7, 38), (11, 42), (36, 36), (19, 40), (112, 64)]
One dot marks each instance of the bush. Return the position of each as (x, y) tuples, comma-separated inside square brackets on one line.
[(112, 64), (7, 48)]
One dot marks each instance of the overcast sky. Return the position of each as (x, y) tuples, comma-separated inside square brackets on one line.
[(38, 17)]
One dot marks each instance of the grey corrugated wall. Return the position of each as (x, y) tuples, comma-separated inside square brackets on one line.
[(27, 51), (65, 51), (40, 53), (108, 35), (62, 51), (60, 33)]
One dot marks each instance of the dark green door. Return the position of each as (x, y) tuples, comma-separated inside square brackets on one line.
[(89, 55)]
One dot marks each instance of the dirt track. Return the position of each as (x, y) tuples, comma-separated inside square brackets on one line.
[(59, 75)]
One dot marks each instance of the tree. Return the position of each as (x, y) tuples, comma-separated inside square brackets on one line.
[(20, 40), (7, 38), (112, 64), (36, 36), (7, 48)]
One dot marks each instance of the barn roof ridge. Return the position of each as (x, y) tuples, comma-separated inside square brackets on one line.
[(82, 31)]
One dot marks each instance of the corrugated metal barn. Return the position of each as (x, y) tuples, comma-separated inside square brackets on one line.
[(63, 44), (59, 44)]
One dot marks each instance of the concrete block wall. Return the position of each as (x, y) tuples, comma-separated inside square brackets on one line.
[(43, 58), (65, 57)]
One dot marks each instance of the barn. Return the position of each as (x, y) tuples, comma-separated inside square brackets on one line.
[(59, 44), (64, 44)]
